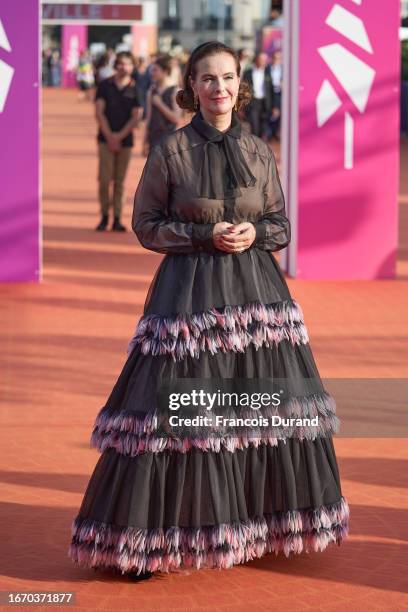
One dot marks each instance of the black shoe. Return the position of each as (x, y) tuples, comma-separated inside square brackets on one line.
[(103, 224), (117, 226), (135, 577)]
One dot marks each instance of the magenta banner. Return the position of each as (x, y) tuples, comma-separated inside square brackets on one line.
[(19, 128), (74, 41), (348, 144)]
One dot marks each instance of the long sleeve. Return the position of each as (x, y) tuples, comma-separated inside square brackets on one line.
[(273, 231), (151, 223)]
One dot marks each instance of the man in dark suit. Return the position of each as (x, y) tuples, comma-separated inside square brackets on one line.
[(260, 108)]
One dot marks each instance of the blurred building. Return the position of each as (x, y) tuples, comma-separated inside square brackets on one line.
[(190, 22), (145, 25)]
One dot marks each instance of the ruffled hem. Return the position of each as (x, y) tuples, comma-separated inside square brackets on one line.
[(230, 328), (100, 545)]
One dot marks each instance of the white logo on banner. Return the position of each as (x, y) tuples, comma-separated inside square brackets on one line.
[(6, 71), (355, 76), (73, 53)]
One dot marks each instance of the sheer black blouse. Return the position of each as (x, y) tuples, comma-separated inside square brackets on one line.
[(198, 176)]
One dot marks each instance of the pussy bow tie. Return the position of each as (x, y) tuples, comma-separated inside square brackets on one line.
[(212, 180)]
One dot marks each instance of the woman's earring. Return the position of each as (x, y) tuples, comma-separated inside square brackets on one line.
[(195, 103), (236, 105)]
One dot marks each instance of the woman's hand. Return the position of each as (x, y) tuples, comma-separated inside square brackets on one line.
[(218, 231), (233, 238)]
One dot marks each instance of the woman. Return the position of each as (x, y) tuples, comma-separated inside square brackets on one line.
[(162, 114), (218, 308)]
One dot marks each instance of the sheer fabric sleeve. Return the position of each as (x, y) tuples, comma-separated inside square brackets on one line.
[(273, 230), (151, 222)]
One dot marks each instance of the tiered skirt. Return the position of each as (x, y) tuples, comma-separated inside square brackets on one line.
[(159, 502)]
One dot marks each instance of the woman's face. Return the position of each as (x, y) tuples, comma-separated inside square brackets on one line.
[(157, 74), (216, 83)]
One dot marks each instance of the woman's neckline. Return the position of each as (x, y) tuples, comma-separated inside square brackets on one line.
[(162, 90), (212, 125), (209, 131)]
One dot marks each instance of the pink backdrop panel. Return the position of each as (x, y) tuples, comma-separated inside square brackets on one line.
[(20, 134), (74, 41), (348, 139), (144, 39), (271, 39)]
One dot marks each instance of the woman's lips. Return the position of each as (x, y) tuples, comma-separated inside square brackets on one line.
[(219, 99)]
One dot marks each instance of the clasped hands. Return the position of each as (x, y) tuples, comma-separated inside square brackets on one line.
[(114, 140), (233, 238)]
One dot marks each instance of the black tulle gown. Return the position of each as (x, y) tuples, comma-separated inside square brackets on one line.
[(215, 497)]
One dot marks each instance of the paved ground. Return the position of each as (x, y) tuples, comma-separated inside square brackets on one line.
[(64, 344)]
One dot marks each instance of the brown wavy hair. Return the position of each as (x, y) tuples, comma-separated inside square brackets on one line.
[(164, 62), (185, 96)]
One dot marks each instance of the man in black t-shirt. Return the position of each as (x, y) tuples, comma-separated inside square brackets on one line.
[(118, 110)]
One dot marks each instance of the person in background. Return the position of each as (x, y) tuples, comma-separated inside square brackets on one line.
[(111, 55), (260, 108), (245, 58), (118, 110), (163, 112), (276, 75), (104, 67), (85, 76), (55, 68), (141, 75), (152, 58), (275, 18), (46, 67), (176, 77)]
